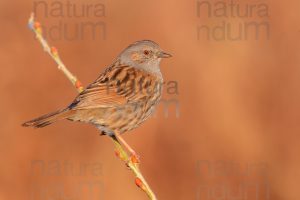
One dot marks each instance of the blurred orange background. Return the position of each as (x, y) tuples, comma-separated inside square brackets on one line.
[(239, 103)]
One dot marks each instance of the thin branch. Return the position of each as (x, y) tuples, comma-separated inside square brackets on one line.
[(37, 29), (131, 162)]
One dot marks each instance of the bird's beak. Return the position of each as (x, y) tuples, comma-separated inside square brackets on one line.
[(162, 54)]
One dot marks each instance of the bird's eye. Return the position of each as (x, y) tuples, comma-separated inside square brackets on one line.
[(146, 52)]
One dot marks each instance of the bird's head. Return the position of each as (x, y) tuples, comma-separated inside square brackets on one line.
[(145, 55)]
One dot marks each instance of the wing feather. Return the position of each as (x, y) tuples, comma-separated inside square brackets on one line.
[(115, 87)]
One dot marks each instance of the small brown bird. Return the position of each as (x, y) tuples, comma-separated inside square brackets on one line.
[(122, 97)]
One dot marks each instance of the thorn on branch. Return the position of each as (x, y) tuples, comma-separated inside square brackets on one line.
[(38, 28), (120, 155), (78, 85), (54, 51), (134, 159), (117, 153), (140, 183)]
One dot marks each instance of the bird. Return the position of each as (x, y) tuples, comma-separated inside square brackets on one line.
[(124, 95)]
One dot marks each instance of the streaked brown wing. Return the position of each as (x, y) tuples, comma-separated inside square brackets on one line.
[(99, 96), (115, 87)]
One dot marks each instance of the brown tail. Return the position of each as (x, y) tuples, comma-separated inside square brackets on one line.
[(48, 119)]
